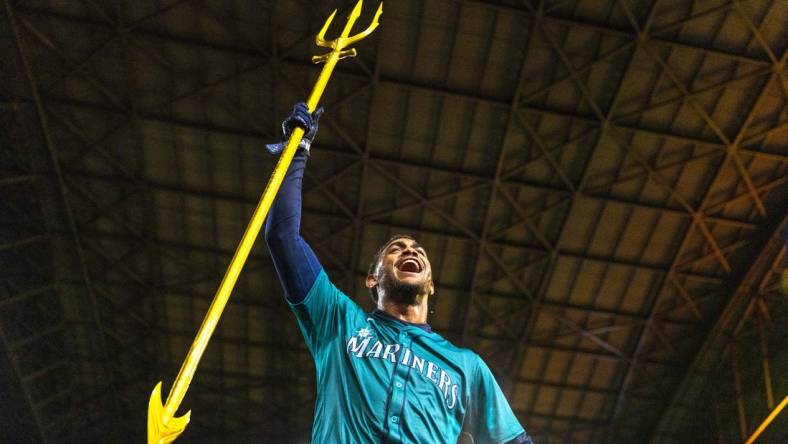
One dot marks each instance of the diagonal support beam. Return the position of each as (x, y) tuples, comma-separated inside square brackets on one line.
[(525, 337), (706, 359), (69, 214), (685, 242)]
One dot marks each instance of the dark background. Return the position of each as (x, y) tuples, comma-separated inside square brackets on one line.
[(601, 187)]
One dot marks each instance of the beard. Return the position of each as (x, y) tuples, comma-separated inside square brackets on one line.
[(401, 292)]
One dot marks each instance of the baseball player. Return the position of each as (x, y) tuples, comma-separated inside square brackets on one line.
[(384, 376)]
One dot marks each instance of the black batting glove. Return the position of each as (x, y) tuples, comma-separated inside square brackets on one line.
[(302, 118)]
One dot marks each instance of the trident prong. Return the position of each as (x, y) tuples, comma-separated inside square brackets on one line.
[(337, 45), (350, 40), (320, 37)]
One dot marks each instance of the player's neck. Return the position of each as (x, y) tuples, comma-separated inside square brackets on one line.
[(415, 314)]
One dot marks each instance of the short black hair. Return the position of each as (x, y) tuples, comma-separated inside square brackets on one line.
[(376, 259)]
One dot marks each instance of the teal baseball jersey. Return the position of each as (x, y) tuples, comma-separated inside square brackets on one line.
[(383, 380)]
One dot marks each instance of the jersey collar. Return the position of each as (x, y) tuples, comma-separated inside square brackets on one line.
[(380, 314)]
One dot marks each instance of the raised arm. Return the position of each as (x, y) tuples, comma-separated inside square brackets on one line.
[(294, 261)]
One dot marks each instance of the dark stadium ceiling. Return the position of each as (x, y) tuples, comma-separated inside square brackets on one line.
[(601, 186)]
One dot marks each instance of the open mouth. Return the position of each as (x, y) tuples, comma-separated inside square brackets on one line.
[(409, 265)]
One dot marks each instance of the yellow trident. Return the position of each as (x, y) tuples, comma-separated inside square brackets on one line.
[(163, 426)]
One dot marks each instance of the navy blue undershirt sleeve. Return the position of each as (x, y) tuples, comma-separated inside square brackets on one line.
[(522, 439), (294, 261)]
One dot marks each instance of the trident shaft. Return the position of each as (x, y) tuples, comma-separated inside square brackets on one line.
[(163, 426)]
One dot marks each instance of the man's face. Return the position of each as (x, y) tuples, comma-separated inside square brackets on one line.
[(404, 272)]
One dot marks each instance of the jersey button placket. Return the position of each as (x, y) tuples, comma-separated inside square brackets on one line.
[(398, 390)]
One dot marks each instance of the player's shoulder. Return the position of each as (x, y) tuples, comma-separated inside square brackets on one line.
[(325, 293), (324, 285)]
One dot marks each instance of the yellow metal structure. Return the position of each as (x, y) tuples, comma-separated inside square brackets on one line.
[(767, 421), (163, 426)]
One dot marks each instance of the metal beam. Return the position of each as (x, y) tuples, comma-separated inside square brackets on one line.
[(40, 431), (491, 197), (732, 146), (705, 360), (14, 180), (384, 80), (27, 294), (484, 179), (525, 336), (15, 244), (612, 30), (358, 229), (683, 245), (69, 214)]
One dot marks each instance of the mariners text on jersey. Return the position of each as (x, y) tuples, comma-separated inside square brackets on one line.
[(397, 353), (383, 380)]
